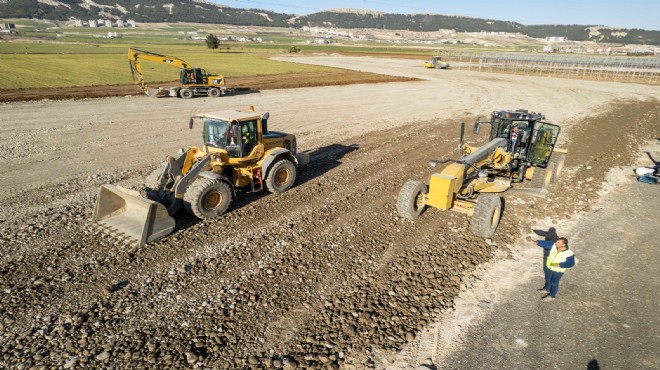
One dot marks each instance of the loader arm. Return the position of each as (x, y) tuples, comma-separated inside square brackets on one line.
[(136, 55)]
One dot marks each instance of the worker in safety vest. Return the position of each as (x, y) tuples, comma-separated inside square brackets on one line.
[(559, 259)]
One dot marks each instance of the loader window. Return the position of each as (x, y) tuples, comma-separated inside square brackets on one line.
[(249, 136), (215, 133)]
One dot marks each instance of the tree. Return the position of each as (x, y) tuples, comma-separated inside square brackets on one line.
[(212, 41)]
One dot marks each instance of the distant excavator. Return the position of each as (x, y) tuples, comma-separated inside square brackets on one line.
[(194, 81)]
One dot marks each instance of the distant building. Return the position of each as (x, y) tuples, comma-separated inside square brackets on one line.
[(556, 39), (9, 26), (92, 23), (131, 23), (77, 23), (120, 23), (108, 23)]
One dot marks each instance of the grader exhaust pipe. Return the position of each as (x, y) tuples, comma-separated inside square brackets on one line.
[(125, 213)]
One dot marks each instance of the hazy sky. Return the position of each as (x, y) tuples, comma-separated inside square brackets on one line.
[(643, 14)]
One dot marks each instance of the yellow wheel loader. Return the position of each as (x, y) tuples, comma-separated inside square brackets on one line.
[(521, 148), (239, 155), (194, 81)]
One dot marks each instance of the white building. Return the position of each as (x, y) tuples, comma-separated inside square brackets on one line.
[(92, 23), (108, 23), (77, 23), (556, 39), (120, 23)]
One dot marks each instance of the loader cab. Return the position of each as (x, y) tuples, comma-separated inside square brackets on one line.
[(238, 138)]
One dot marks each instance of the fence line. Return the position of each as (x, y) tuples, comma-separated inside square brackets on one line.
[(587, 67)]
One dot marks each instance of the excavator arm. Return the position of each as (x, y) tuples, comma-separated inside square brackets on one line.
[(136, 55)]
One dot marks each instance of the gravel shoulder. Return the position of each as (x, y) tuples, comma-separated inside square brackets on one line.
[(322, 276)]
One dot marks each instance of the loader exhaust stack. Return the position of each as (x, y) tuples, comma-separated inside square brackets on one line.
[(126, 213)]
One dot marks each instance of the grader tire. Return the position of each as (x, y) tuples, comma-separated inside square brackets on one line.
[(281, 176), (410, 204), (487, 215), (214, 92), (207, 198), (558, 160), (542, 177)]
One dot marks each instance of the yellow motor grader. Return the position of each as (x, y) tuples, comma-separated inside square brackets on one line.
[(521, 148), (239, 154)]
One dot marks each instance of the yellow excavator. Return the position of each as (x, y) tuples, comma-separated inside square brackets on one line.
[(521, 148), (194, 81), (239, 155)]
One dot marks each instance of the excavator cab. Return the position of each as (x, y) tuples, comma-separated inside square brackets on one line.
[(192, 76)]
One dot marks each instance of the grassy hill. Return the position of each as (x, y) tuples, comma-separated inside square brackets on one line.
[(198, 11)]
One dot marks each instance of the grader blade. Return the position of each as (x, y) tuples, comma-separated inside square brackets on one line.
[(125, 212)]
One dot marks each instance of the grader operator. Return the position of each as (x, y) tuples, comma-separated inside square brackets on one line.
[(239, 154), (521, 147)]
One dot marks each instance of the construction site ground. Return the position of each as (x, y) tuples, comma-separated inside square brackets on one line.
[(325, 275)]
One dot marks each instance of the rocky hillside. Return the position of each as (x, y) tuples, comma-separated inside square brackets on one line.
[(141, 11), (205, 12)]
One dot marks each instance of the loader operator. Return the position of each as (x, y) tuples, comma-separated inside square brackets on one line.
[(559, 259)]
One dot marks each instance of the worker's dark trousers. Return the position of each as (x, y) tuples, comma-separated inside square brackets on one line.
[(552, 281)]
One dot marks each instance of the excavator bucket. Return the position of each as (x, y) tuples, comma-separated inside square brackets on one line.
[(125, 212)]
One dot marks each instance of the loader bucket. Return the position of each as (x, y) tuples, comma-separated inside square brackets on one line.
[(125, 212)]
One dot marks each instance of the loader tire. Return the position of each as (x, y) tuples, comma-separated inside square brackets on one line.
[(214, 92), (186, 93), (542, 177), (207, 198), (558, 160), (281, 176), (487, 215), (410, 203)]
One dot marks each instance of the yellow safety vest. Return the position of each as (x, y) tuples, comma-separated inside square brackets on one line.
[(556, 256)]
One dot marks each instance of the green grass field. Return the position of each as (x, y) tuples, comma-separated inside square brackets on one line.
[(46, 56)]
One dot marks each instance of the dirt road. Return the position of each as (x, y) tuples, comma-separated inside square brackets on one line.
[(606, 316), (321, 276)]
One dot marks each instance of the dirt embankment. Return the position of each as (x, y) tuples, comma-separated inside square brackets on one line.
[(308, 278), (234, 85)]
